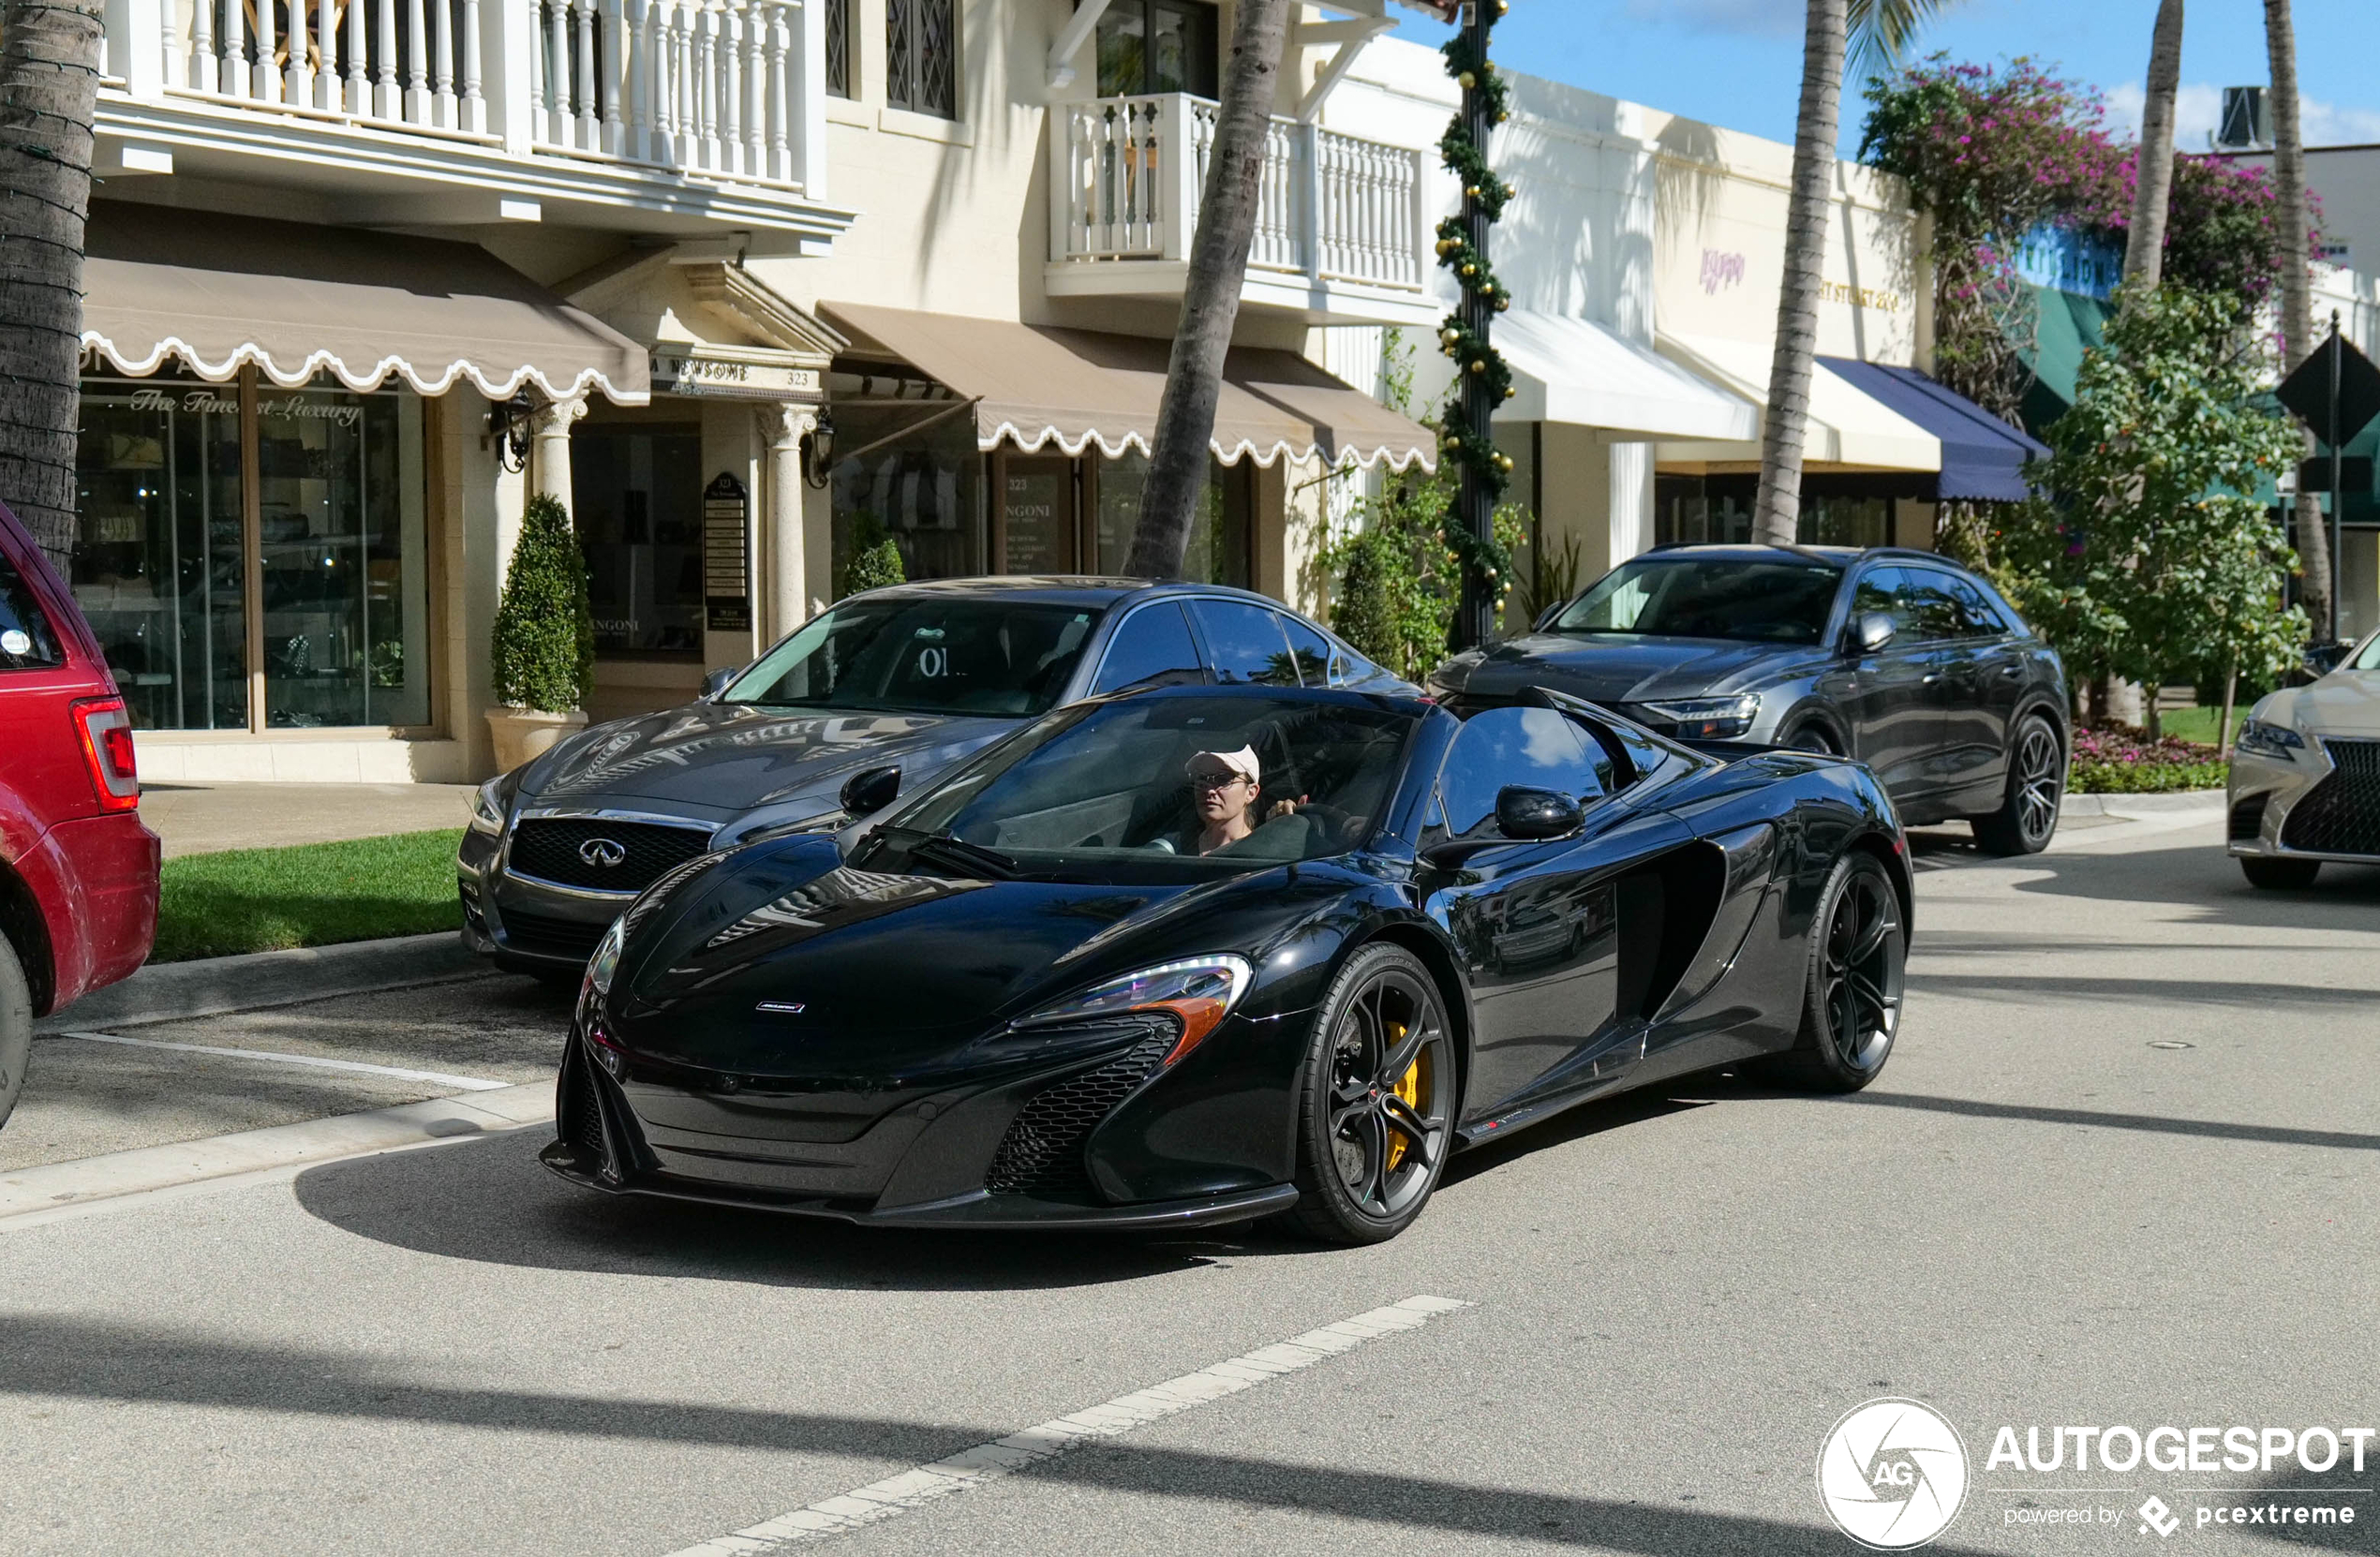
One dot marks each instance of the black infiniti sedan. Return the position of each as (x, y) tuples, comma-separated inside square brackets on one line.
[(1900, 658), (865, 701)]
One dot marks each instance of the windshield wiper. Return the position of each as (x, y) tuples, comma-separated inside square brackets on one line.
[(957, 851)]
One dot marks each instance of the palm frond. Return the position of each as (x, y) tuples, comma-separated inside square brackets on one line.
[(1880, 32)]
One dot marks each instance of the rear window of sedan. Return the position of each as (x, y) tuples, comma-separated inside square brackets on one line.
[(1770, 602)]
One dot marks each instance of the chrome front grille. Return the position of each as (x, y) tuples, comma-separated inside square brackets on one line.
[(597, 855), (2342, 814)]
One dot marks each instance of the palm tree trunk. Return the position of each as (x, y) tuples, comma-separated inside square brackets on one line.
[(49, 85), (1211, 295), (2145, 245), (1776, 508), (2296, 284)]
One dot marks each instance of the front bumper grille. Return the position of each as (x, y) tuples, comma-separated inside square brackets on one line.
[(570, 851), (2341, 815), (1042, 1152), (542, 935)]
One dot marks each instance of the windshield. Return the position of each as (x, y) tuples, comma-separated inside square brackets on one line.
[(924, 656), (1167, 788), (1774, 602)]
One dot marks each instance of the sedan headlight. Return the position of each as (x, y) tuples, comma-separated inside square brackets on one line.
[(1709, 718), (487, 808), (1198, 992), (2277, 741)]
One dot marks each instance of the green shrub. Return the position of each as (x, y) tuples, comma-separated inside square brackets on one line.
[(544, 639), (875, 557)]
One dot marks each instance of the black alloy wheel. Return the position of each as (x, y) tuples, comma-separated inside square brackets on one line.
[(1812, 737), (2027, 817), (1376, 1123), (2279, 874), (1858, 957)]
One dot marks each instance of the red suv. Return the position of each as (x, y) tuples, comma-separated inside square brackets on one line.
[(77, 871)]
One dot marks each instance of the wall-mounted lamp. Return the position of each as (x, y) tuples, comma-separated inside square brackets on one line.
[(511, 423), (818, 451)]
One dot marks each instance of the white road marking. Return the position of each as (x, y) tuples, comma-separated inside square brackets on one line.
[(897, 1495), (439, 1078)]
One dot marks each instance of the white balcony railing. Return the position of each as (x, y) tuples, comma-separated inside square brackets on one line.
[(716, 89), (1129, 173)]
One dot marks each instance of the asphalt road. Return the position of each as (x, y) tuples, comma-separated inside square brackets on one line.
[(2121, 1171)]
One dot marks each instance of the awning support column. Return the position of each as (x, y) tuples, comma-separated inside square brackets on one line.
[(550, 445)]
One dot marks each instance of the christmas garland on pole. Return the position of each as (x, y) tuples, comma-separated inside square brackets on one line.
[(1466, 435)]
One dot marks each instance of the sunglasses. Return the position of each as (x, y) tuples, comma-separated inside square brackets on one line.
[(1215, 781)]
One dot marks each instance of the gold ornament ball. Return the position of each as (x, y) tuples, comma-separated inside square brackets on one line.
[(1453, 442), (1510, 391), (1487, 289), (1470, 270), (1472, 190), (1477, 366), (1467, 80)]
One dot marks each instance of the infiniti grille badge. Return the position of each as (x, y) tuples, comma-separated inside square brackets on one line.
[(603, 852)]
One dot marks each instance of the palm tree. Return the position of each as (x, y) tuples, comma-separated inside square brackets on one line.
[(2145, 244), (1875, 32), (2297, 289), (1210, 294), (48, 87)]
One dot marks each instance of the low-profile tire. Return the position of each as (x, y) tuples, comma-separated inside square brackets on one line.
[(1375, 1112), (1813, 736), (1852, 993), (2279, 875), (2028, 816), (16, 1029)]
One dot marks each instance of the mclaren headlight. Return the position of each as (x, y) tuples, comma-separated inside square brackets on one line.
[(2276, 741), (1708, 719), (488, 807), (605, 962), (1197, 992)]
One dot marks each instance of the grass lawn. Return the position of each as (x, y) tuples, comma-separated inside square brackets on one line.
[(312, 894), (2198, 725)]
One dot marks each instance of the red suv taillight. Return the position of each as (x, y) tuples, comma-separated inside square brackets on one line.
[(107, 745)]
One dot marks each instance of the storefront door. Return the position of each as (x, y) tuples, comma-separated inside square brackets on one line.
[(1035, 523)]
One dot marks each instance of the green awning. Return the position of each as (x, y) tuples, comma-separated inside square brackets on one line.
[(2066, 326)]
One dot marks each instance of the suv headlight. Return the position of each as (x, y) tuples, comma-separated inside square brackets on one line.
[(2277, 741), (1197, 992), (487, 808), (1709, 718)]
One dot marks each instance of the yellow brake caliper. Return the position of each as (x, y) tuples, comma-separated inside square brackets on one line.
[(1409, 1087)]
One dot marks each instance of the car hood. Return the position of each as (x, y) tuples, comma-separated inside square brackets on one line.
[(2344, 702), (1620, 667), (887, 975), (719, 759)]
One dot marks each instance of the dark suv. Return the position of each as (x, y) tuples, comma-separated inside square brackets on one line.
[(1901, 658)]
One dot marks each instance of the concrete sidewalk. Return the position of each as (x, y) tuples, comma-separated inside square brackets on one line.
[(206, 819)]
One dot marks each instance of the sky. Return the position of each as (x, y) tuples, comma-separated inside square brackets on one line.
[(1737, 62)]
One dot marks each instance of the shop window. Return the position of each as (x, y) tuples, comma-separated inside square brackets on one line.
[(639, 492), (344, 592), (841, 80), (925, 489), (339, 601), (158, 557), (921, 56), (1220, 549), (1717, 511), (1148, 46)]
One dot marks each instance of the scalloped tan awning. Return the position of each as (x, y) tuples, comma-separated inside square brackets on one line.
[(218, 293), (1039, 386)]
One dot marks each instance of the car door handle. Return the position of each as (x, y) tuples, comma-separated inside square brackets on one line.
[(2013, 672), (1929, 678)]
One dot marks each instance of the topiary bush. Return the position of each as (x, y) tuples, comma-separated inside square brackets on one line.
[(876, 555), (545, 639)]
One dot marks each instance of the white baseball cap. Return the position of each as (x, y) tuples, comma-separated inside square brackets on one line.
[(1243, 762)]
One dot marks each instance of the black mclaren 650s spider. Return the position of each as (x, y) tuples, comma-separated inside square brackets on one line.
[(1197, 955)]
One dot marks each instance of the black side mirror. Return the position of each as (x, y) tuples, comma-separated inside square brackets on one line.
[(1872, 632), (716, 681), (1530, 814), (870, 790)]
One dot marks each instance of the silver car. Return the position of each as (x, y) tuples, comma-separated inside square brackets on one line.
[(2305, 776), (866, 700)]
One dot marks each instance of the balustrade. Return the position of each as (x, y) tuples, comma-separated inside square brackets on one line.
[(1129, 173)]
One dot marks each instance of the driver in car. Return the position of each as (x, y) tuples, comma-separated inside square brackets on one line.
[(1223, 787)]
